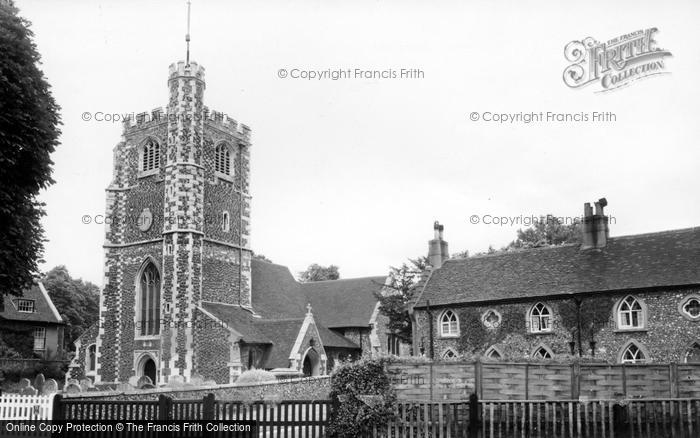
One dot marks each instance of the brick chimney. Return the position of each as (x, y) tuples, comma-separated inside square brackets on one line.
[(595, 230), (437, 248)]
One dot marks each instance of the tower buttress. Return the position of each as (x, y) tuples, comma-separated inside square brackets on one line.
[(183, 224)]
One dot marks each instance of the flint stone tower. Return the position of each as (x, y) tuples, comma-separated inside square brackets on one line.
[(177, 234)]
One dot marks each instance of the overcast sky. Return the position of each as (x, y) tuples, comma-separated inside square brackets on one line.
[(354, 172)]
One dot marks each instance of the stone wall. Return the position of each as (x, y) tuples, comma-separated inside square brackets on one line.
[(311, 388), (667, 335)]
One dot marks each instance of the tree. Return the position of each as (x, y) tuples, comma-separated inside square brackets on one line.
[(29, 133), (76, 300), (547, 232), (261, 257), (316, 272), (398, 295)]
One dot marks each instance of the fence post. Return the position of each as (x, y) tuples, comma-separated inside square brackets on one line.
[(478, 375), (673, 379), (165, 407), (474, 415), (431, 376), (208, 409), (575, 381), (57, 413)]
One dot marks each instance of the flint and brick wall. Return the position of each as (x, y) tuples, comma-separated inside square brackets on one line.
[(666, 337)]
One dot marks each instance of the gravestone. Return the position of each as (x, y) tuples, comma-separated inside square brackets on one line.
[(176, 380), (26, 388), (39, 381), (196, 380), (147, 386), (144, 380), (85, 384), (50, 387), (72, 388), (124, 387)]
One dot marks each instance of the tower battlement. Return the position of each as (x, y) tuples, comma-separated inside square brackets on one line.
[(181, 68), (227, 124)]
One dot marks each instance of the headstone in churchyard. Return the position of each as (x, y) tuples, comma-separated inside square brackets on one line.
[(23, 383), (39, 381), (176, 380), (85, 384), (124, 387), (72, 388), (50, 387), (28, 390), (196, 380), (144, 380)]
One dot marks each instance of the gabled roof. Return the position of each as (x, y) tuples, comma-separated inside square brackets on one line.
[(44, 310), (343, 303), (643, 261), (238, 319), (336, 303), (284, 332), (275, 292)]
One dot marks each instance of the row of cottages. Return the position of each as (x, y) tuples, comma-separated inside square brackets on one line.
[(627, 299), (183, 294), (32, 321)]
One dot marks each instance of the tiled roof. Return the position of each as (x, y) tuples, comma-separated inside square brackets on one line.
[(336, 303), (275, 292), (343, 303), (239, 319), (333, 340), (44, 310), (284, 332), (669, 258)]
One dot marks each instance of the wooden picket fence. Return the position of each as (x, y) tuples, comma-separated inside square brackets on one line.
[(26, 407)]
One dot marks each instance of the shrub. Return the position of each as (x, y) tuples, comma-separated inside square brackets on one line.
[(354, 415), (255, 376)]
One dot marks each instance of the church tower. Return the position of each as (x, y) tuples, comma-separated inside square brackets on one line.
[(177, 234)]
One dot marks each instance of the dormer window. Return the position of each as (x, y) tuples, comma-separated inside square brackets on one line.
[(222, 160), (150, 156), (25, 306)]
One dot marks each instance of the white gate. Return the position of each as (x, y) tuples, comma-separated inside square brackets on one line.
[(26, 407)]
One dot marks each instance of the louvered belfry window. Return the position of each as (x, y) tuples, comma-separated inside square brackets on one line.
[(151, 155), (223, 159)]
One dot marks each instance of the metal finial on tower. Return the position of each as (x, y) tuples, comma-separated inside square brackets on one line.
[(187, 36)]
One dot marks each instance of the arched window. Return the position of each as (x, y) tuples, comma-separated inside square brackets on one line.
[(540, 318), (493, 353), (91, 358), (449, 354), (225, 222), (149, 301), (150, 155), (222, 162), (449, 324), (630, 314), (692, 355), (542, 352), (632, 354)]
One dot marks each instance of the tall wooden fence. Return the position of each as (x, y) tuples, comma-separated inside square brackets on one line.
[(528, 381)]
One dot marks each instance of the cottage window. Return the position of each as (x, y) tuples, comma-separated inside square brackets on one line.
[(542, 352), (222, 163), (493, 353), (630, 314), (25, 306), (39, 339), (393, 343), (632, 354), (150, 155), (691, 307), (149, 301), (540, 318), (449, 354), (491, 319), (449, 324)]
